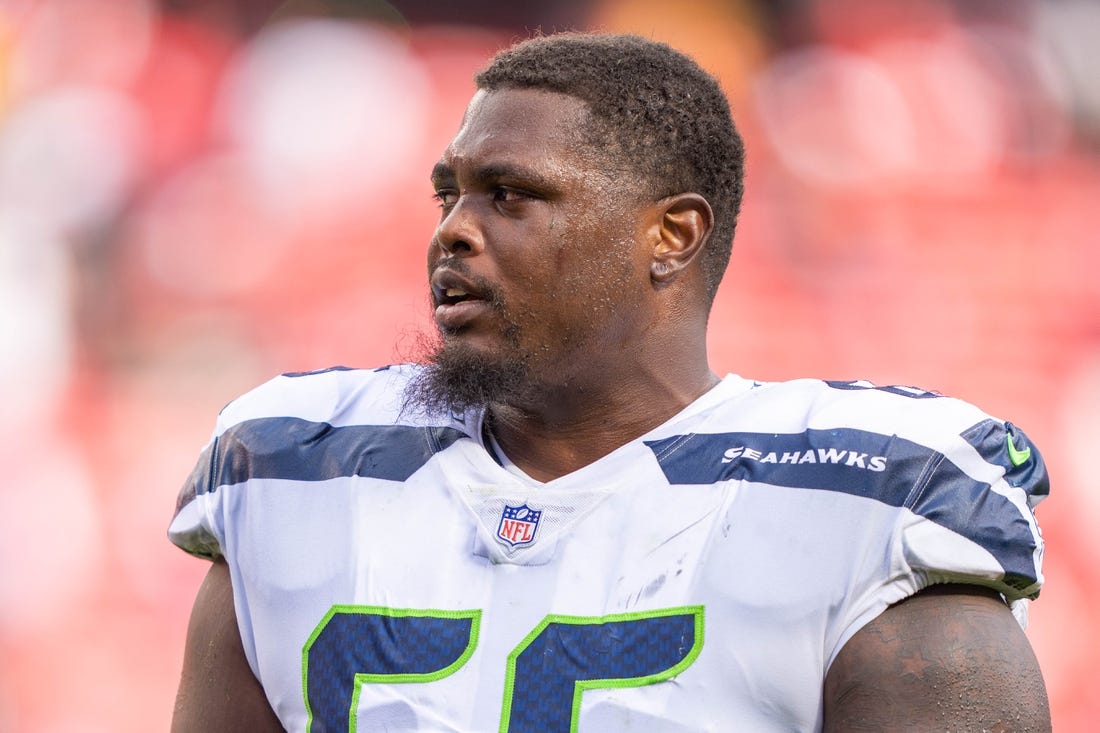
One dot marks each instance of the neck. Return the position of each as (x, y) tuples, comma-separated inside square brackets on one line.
[(575, 423)]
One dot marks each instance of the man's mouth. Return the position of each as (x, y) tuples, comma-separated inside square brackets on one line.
[(458, 301), (451, 296)]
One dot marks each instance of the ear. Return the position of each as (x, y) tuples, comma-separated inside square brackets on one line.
[(682, 226)]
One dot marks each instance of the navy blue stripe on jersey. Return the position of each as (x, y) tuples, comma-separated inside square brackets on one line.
[(847, 460), (885, 468), (326, 370), (293, 449), (914, 392)]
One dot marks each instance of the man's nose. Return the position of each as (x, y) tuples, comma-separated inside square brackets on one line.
[(459, 233)]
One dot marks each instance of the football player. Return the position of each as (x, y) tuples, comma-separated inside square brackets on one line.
[(565, 520)]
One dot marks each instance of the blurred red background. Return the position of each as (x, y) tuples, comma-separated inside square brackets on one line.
[(196, 196)]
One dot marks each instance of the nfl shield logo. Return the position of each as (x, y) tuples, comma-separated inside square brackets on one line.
[(518, 525)]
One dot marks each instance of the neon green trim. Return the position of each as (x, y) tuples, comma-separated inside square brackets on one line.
[(1018, 457), (364, 678), (580, 686)]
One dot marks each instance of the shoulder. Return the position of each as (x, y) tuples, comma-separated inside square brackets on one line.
[(811, 430), (338, 395), (931, 423), (319, 426), (962, 483), (922, 415), (953, 440), (299, 424), (969, 482)]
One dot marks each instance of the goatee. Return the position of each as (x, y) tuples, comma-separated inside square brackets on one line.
[(455, 378)]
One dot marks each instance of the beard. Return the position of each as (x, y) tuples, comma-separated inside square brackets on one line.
[(455, 377)]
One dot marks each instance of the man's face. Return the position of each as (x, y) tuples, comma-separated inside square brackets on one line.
[(535, 265)]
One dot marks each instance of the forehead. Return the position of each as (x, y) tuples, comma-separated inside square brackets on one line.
[(525, 126)]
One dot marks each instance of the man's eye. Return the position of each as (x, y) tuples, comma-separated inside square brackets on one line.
[(445, 199), (509, 195)]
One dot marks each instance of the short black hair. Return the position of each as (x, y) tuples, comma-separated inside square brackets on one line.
[(653, 108)]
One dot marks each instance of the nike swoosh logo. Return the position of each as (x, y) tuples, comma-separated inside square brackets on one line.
[(1018, 457)]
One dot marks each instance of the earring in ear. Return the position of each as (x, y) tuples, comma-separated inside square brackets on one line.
[(660, 268)]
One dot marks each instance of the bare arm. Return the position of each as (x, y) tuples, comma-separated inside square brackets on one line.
[(950, 658), (218, 691)]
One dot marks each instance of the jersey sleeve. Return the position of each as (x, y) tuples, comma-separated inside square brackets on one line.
[(263, 434), (198, 526), (193, 527), (971, 517)]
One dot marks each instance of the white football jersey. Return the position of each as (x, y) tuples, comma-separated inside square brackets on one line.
[(392, 573)]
